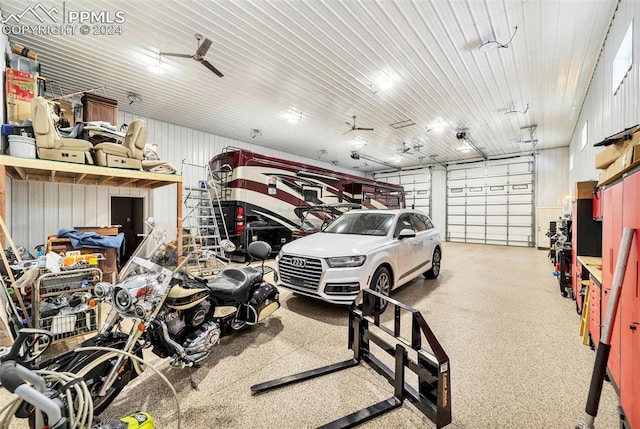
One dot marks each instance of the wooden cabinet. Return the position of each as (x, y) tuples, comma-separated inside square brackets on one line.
[(612, 234), (629, 316), (98, 108)]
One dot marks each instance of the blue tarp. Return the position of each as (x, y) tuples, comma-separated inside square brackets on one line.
[(91, 239)]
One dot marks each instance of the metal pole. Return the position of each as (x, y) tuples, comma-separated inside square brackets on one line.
[(602, 355)]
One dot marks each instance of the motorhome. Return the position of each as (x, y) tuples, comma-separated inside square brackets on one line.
[(258, 194)]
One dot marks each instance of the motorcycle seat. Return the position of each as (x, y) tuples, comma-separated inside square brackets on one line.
[(234, 284)]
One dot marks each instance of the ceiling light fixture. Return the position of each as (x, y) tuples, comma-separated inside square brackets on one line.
[(437, 126), (293, 116), (491, 45), (384, 80)]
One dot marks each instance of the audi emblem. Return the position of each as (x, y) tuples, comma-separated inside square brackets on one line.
[(298, 262)]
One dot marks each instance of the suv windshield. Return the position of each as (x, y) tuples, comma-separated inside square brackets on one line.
[(362, 224)]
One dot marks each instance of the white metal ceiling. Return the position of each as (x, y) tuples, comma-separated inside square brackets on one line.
[(324, 58)]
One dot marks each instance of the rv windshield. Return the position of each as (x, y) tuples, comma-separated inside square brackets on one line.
[(362, 224)]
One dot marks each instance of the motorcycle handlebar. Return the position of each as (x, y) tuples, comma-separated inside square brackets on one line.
[(14, 378)]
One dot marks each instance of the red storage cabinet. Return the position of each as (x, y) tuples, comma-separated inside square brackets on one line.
[(630, 308), (597, 204), (611, 236)]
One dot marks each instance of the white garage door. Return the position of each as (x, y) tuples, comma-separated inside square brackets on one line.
[(491, 202), (417, 186)]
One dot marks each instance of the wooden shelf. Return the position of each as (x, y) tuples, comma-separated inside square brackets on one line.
[(40, 170)]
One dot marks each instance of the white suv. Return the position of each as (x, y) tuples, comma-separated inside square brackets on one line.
[(380, 249)]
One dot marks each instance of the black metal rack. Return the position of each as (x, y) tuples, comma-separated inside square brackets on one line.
[(433, 394)]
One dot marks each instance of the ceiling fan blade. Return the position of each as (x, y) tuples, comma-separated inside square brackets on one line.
[(347, 132), (169, 54), (203, 48), (364, 129), (210, 66), (348, 123)]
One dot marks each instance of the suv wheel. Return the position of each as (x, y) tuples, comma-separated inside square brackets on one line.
[(435, 265), (381, 283)]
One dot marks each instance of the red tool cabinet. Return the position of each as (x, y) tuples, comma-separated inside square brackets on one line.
[(621, 208)]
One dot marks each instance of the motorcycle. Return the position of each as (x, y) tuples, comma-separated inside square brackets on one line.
[(156, 304)]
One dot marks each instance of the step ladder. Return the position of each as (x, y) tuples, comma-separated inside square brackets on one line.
[(207, 228)]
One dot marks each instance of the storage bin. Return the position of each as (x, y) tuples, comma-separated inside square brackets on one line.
[(22, 148)]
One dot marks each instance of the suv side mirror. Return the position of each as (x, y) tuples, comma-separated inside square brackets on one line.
[(406, 233)]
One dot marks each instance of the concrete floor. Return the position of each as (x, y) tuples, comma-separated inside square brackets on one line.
[(516, 357)]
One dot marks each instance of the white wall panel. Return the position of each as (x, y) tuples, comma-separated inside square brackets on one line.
[(606, 113), (552, 178), (36, 209)]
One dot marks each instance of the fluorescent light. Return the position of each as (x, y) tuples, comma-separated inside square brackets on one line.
[(293, 116), (156, 66), (385, 84)]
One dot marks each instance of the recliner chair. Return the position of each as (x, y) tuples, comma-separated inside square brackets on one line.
[(48, 141), (129, 153)]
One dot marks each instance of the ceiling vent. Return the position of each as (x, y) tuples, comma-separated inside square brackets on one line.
[(402, 124)]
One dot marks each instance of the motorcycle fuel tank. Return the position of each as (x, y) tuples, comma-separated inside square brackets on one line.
[(182, 298)]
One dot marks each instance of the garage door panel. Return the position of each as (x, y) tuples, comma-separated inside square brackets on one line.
[(476, 181), (497, 170), (496, 209), (457, 219), (456, 210), (497, 219), (476, 199), (475, 210), (520, 198), (520, 208), (475, 220), (496, 199), (523, 167)]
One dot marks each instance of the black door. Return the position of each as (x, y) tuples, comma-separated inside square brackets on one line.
[(128, 212)]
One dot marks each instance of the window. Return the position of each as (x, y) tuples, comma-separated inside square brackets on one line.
[(418, 223), (571, 162), (312, 193), (623, 59), (427, 222), (585, 135), (403, 223)]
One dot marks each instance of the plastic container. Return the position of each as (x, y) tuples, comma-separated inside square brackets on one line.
[(22, 148)]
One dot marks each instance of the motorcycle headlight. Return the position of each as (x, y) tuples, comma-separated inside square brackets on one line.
[(102, 290), (122, 299), (346, 261), (143, 309)]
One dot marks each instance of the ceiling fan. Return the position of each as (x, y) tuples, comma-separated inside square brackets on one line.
[(201, 51), (354, 128)]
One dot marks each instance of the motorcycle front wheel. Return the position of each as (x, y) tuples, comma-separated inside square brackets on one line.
[(94, 368)]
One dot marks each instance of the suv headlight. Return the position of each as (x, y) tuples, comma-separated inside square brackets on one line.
[(346, 261)]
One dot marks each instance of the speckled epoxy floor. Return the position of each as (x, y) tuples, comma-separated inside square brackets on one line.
[(516, 357)]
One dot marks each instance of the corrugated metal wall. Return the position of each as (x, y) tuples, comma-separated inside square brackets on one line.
[(552, 178), (35, 210), (606, 113)]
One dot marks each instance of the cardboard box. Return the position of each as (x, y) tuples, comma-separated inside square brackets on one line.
[(20, 88), (584, 190), (629, 159), (610, 153)]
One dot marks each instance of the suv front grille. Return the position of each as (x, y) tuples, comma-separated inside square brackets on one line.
[(300, 272)]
